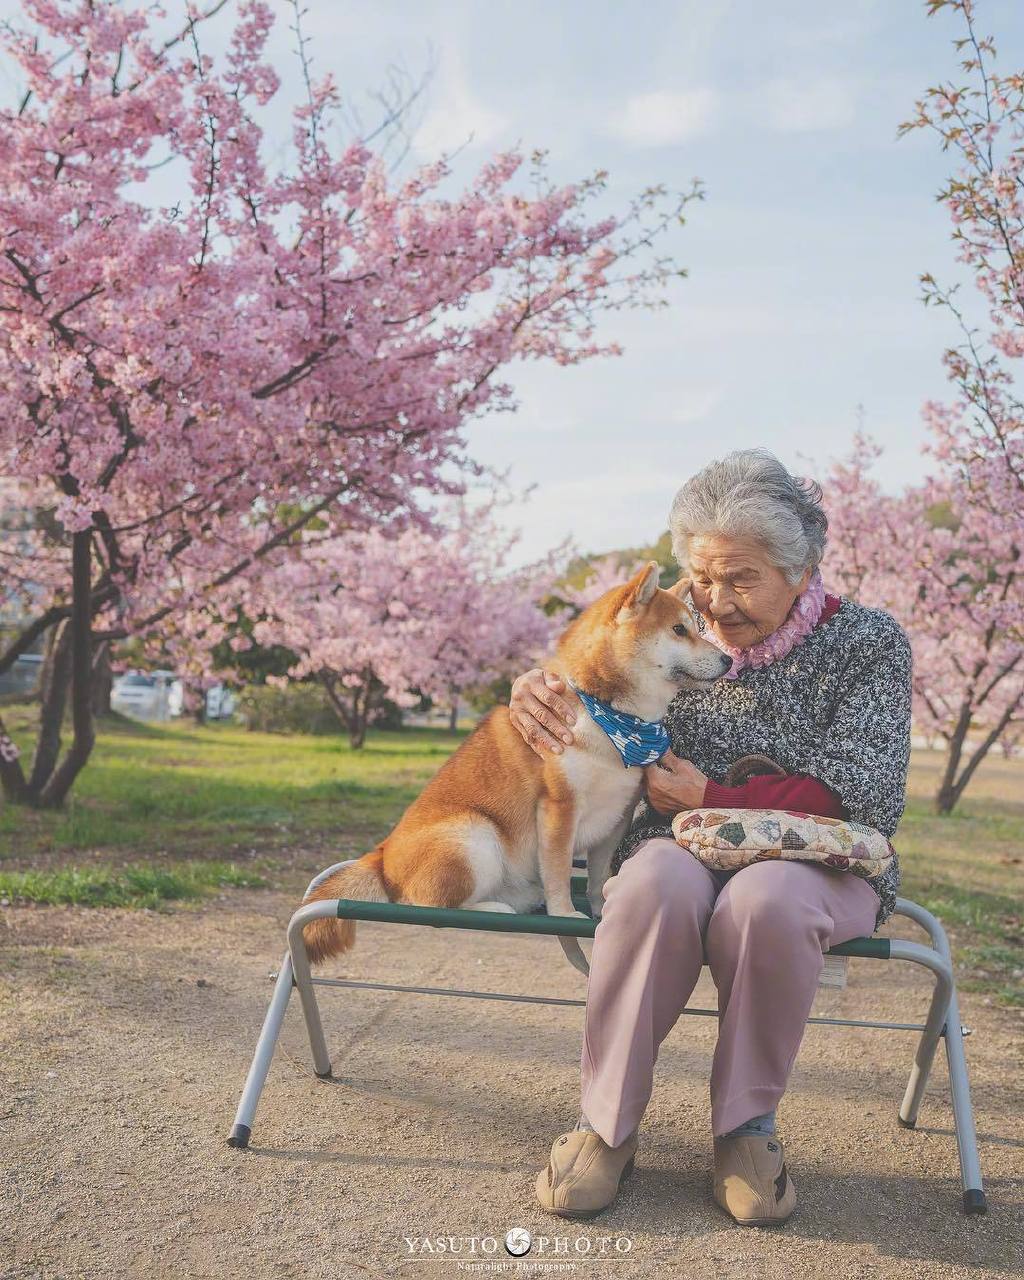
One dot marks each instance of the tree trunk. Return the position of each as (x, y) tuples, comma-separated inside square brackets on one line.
[(453, 717), (945, 797), (951, 789), (199, 710), (336, 700), (74, 761), (361, 711), (944, 800), (356, 716), (102, 680), (54, 686)]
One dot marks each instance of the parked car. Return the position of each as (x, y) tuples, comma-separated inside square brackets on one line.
[(160, 695), (176, 698), (23, 675), (220, 702), (142, 694)]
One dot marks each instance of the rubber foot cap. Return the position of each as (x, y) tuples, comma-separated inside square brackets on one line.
[(906, 1124), (325, 1075), (975, 1202), (240, 1135)]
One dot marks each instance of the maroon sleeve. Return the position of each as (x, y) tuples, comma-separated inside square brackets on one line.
[(799, 791)]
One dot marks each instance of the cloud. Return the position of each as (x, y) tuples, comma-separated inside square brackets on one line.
[(458, 114), (690, 406), (664, 117), (793, 105), (601, 510)]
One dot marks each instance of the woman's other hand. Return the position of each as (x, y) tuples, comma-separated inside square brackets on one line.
[(539, 712), (672, 784)]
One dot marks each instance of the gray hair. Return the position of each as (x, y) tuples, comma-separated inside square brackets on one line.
[(750, 494)]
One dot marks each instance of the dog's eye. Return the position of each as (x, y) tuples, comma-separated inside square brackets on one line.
[(680, 629)]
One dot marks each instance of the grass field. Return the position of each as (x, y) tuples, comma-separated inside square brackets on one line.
[(167, 812)]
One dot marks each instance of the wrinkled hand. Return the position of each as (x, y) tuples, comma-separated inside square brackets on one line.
[(671, 785), (539, 712)]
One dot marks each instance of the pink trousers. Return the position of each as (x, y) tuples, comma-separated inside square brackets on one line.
[(762, 931)]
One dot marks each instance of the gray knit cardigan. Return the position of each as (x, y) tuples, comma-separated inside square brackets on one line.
[(836, 707)]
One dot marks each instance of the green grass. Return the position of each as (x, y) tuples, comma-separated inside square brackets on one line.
[(182, 791), (132, 885), (968, 869), (187, 802)]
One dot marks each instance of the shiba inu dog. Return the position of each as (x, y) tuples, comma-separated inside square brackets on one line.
[(497, 826)]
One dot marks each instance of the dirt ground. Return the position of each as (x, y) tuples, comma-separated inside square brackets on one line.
[(125, 1037)]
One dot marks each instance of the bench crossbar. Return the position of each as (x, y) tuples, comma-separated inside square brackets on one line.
[(530, 922), (559, 1000)]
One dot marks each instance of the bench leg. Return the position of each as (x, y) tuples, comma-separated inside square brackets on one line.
[(944, 1014), (255, 1080), (938, 1012), (963, 1114), (304, 982)]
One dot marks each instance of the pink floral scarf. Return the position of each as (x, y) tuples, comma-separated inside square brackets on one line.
[(801, 620)]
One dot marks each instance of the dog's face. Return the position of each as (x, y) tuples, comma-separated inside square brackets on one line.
[(661, 632)]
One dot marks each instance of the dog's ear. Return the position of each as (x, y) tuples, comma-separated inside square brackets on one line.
[(681, 589), (640, 591)]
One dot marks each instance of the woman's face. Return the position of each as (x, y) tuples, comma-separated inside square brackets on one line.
[(741, 594)]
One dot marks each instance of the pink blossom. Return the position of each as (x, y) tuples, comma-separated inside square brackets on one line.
[(463, 619), (288, 346)]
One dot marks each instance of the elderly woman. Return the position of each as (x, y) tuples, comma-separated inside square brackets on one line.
[(822, 686)]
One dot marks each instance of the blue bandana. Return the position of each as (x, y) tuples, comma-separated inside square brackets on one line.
[(637, 741)]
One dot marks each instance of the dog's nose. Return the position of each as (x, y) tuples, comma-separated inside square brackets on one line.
[(727, 661)]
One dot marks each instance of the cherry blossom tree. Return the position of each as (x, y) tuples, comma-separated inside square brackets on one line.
[(980, 435), (185, 389), (934, 558), (374, 617), (599, 576), (944, 556)]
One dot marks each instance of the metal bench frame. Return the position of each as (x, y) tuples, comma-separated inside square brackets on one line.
[(942, 1022)]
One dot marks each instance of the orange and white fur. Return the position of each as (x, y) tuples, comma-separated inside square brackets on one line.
[(498, 826)]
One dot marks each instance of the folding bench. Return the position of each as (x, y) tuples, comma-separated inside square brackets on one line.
[(942, 1022)]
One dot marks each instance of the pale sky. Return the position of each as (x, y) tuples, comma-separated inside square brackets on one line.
[(803, 298)]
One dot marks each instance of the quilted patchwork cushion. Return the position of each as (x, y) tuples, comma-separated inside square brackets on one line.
[(727, 839)]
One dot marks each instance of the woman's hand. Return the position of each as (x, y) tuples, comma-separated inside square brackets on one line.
[(539, 713), (672, 784)]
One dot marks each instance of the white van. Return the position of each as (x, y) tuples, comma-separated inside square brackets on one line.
[(142, 694)]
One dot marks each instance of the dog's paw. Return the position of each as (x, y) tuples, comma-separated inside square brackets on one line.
[(492, 906), (582, 914)]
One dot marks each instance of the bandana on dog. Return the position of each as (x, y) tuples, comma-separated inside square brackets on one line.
[(637, 741)]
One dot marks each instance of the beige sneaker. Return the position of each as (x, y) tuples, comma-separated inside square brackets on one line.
[(582, 1176), (752, 1182)]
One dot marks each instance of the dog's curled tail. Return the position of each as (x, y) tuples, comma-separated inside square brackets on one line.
[(363, 880)]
